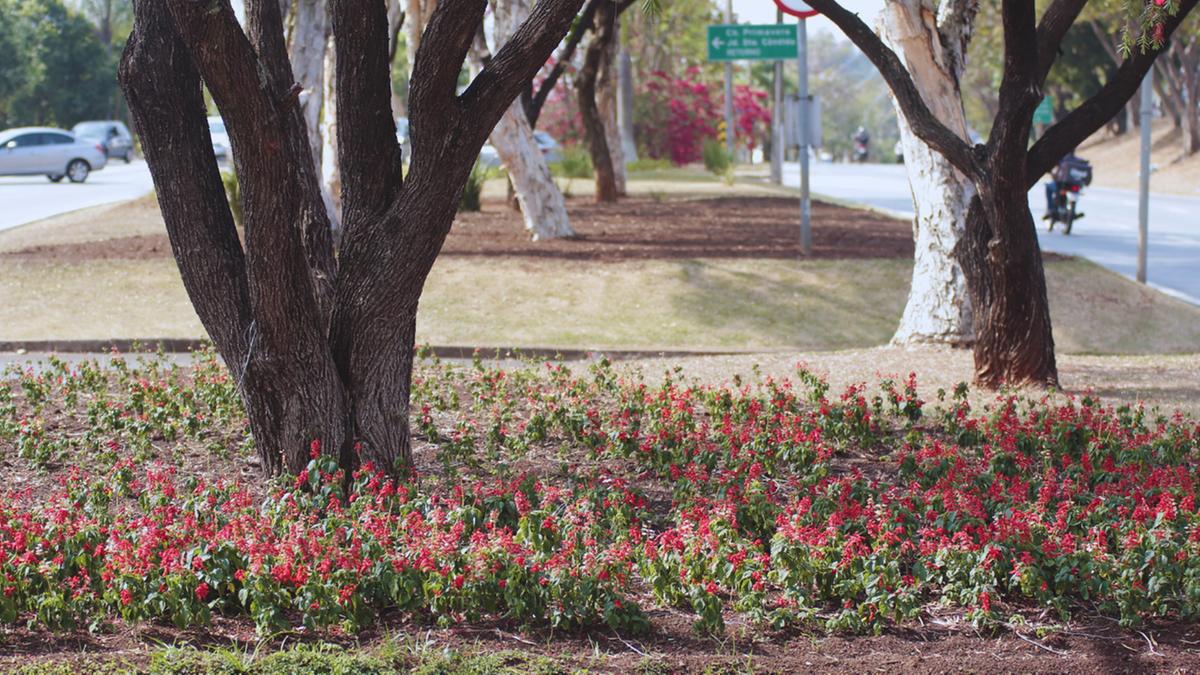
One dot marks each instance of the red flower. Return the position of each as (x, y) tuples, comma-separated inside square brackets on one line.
[(202, 591)]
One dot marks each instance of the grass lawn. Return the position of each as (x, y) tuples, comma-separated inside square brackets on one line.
[(739, 304), (107, 273)]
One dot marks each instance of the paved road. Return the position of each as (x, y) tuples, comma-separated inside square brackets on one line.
[(29, 198), (1106, 236)]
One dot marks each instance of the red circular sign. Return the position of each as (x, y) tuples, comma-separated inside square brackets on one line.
[(796, 8)]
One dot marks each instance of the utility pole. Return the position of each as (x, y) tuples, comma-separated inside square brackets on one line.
[(1144, 186), (777, 117), (729, 128), (805, 200)]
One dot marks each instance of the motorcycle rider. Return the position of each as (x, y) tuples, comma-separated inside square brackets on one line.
[(1060, 174), (862, 139)]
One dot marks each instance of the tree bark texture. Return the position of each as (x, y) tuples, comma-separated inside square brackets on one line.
[(321, 347), (606, 105), (939, 308), (541, 203), (586, 84)]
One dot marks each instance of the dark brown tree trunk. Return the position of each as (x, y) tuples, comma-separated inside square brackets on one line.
[(321, 347), (589, 111)]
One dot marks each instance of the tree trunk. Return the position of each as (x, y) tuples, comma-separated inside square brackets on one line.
[(1015, 343), (321, 347), (939, 308), (589, 112), (1191, 103), (308, 50), (542, 206), (606, 105), (540, 201), (331, 177)]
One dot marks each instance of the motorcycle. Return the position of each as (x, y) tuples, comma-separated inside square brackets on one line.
[(860, 152), (1066, 201)]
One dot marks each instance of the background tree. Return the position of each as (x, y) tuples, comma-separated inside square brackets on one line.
[(321, 346), (541, 203), (53, 45), (1000, 254), (931, 39)]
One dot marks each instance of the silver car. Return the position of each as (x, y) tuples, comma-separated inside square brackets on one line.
[(112, 134), (221, 146), (53, 152)]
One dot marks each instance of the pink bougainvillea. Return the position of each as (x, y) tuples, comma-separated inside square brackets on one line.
[(676, 115)]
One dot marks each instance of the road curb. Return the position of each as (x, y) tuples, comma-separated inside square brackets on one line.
[(186, 345)]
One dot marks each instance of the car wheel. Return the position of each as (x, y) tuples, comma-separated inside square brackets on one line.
[(54, 178), (78, 170), (128, 156)]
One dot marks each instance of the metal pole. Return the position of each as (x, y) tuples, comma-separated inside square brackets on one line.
[(729, 128), (805, 204), (1144, 187), (777, 118)]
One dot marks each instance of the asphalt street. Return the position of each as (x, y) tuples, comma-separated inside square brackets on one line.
[(26, 199), (1107, 235)]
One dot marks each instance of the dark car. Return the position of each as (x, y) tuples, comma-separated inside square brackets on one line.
[(113, 135)]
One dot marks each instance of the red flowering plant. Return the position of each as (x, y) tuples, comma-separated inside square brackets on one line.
[(532, 502)]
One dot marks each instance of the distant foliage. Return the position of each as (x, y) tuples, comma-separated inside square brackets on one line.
[(676, 115), (473, 191), (233, 192), (54, 70), (576, 162), (716, 157)]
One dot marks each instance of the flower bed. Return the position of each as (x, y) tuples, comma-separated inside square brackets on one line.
[(549, 496)]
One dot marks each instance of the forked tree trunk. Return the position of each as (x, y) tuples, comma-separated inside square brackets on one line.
[(540, 201), (321, 347), (593, 123), (939, 307)]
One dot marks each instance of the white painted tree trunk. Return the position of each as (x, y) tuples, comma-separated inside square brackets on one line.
[(416, 16), (939, 307), (606, 101), (542, 205), (309, 47), (331, 177)]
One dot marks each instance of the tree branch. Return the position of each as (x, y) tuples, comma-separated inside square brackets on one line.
[(495, 88), (368, 153), (165, 98), (1094, 113), (956, 23), (291, 299), (433, 109), (1059, 18), (922, 122), (535, 101)]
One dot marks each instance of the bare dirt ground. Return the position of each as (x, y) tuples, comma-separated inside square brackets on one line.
[(637, 228)]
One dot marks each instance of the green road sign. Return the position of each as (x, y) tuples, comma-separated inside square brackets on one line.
[(771, 42), (1045, 112)]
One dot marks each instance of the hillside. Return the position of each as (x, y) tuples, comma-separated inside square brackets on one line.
[(1116, 161)]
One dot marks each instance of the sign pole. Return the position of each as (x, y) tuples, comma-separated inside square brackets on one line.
[(729, 128), (805, 202), (1144, 180), (777, 117)]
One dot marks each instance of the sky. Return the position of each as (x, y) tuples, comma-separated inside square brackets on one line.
[(763, 11)]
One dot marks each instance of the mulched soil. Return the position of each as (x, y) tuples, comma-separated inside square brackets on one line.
[(636, 228)]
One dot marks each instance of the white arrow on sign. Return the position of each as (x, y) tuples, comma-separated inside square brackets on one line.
[(717, 42)]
